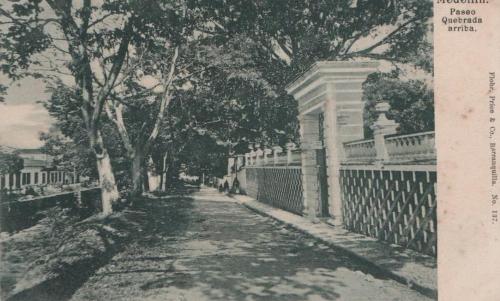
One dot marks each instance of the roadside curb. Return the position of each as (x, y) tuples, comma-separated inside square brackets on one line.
[(417, 271)]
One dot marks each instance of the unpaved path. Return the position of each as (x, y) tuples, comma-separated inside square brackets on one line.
[(207, 247)]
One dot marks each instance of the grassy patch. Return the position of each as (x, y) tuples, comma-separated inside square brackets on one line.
[(61, 251)]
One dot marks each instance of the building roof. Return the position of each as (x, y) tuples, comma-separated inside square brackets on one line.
[(7, 149), (35, 163), (29, 151)]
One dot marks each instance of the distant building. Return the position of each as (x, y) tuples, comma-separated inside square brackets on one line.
[(38, 170)]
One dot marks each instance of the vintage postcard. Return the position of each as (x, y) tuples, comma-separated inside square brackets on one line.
[(259, 150)]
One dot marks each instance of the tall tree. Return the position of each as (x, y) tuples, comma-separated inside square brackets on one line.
[(84, 45), (144, 109), (294, 34), (285, 37)]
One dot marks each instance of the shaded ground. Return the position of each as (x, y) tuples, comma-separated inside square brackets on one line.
[(211, 248), (52, 259), (23, 250)]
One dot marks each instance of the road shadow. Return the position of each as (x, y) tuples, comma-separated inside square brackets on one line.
[(216, 250)]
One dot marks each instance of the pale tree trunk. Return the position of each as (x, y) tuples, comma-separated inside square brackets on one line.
[(136, 173), (163, 181), (109, 190), (75, 34), (136, 153), (145, 177)]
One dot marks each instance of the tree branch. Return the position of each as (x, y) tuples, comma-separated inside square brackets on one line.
[(165, 99), (99, 20), (384, 40), (113, 73), (120, 124)]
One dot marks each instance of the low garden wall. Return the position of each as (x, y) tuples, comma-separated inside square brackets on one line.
[(17, 215)]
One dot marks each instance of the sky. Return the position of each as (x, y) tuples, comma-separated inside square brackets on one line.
[(21, 117)]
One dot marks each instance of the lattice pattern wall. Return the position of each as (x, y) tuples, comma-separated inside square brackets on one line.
[(280, 187), (395, 206)]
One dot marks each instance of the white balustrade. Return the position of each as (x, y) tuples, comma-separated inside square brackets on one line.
[(276, 151), (259, 153), (400, 149), (295, 157), (289, 148), (414, 147), (267, 155), (360, 151)]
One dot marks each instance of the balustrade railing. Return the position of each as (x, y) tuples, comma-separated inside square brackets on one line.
[(415, 147), (412, 148), (280, 159), (275, 156), (360, 151)]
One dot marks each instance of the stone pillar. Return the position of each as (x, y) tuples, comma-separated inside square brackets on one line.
[(252, 157), (7, 180), (309, 138), (381, 128), (290, 146), (247, 159), (267, 152), (276, 151), (334, 89), (258, 155), (240, 161)]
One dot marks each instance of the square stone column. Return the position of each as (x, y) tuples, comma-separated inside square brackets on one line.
[(334, 89), (310, 142)]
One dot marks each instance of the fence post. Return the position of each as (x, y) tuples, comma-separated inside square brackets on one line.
[(290, 146), (258, 155), (267, 151), (247, 159), (252, 157), (382, 127), (240, 161), (276, 151)]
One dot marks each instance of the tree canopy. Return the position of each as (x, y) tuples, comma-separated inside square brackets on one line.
[(134, 79)]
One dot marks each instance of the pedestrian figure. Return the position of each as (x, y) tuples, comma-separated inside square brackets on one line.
[(226, 187)]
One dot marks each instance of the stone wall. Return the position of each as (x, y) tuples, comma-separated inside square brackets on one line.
[(17, 215)]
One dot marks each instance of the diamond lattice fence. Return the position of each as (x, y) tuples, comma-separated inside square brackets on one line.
[(395, 206), (280, 187)]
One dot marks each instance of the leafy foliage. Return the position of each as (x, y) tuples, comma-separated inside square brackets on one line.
[(412, 102), (171, 77), (10, 163), (67, 154)]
